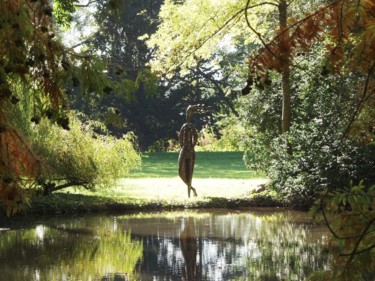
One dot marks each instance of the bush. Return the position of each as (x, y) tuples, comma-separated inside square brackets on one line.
[(80, 156), (318, 161), (329, 144), (231, 136), (164, 145)]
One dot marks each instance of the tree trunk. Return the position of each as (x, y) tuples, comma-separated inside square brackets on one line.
[(285, 70)]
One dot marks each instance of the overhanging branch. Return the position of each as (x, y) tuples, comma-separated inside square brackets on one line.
[(86, 5)]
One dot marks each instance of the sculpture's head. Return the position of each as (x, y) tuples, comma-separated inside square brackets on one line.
[(196, 109)]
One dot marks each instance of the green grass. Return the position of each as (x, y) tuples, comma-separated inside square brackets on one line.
[(220, 178), (216, 174), (227, 165)]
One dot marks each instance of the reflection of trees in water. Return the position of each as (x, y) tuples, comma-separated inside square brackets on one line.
[(207, 247), (59, 253), (239, 247)]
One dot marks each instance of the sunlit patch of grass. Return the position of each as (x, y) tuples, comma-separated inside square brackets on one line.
[(227, 165), (217, 174), (173, 190), (220, 178)]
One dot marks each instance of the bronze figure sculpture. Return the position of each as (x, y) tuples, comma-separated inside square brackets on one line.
[(188, 139)]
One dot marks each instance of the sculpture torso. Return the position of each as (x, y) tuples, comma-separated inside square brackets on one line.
[(188, 139)]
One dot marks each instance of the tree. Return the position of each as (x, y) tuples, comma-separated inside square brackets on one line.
[(343, 29), (35, 63), (137, 100), (323, 57), (199, 35), (349, 35), (133, 102), (285, 71)]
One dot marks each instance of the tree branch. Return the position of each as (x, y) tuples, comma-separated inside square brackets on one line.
[(287, 29), (200, 45), (87, 4), (219, 89), (364, 98), (50, 189), (266, 46), (260, 4), (331, 229), (359, 252), (354, 252)]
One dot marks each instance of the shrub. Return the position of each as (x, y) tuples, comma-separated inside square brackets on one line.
[(231, 137), (329, 143), (80, 156), (164, 145), (318, 160)]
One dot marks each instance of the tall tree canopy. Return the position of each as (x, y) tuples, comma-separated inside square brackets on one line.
[(35, 65), (137, 100), (31, 60), (277, 31)]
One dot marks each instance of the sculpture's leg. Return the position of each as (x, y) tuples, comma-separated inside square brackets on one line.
[(189, 175), (194, 191), (185, 170), (182, 167)]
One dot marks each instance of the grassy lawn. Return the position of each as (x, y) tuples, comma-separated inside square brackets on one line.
[(217, 174), (220, 178), (174, 190), (226, 165)]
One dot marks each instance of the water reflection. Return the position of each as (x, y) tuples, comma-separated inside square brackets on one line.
[(165, 246), (66, 251), (188, 245)]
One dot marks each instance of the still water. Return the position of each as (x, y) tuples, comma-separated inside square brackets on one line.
[(201, 245)]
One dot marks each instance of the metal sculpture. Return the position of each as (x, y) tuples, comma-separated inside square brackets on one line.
[(188, 139)]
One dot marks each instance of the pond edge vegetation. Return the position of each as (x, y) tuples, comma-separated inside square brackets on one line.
[(77, 204)]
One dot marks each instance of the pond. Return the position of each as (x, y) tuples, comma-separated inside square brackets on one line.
[(191, 245)]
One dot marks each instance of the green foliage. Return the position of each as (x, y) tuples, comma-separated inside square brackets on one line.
[(231, 137), (80, 156), (317, 163), (133, 89), (350, 216), (39, 70), (164, 145), (260, 114), (63, 11), (318, 152), (90, 76), (196, 29)]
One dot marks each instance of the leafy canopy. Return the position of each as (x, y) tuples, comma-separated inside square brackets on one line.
[(196, 29), (35, 64)]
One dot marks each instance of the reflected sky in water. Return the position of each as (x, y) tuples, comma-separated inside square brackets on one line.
[(194, 245)]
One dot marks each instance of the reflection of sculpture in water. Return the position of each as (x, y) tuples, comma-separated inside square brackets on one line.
[(188, 244), (188, 139)]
